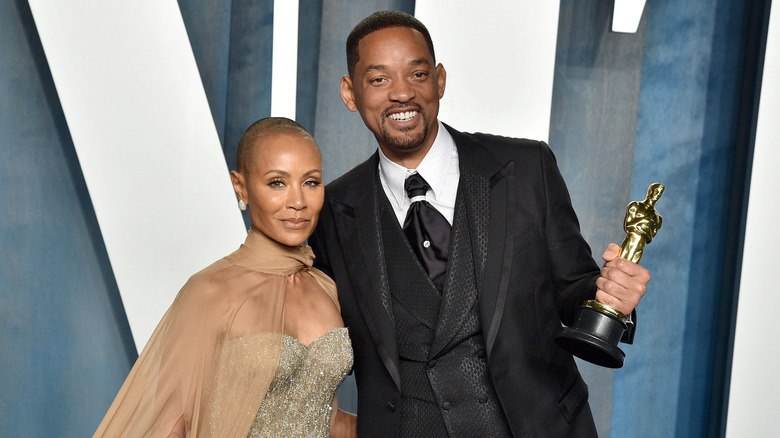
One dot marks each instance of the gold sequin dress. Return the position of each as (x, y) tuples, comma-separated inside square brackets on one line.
[(299, 400)]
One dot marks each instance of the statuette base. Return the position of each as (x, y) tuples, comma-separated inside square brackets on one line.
[(594, 337)]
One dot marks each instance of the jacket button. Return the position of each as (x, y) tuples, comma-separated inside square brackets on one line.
[(481, 354), (432, 363), (446, 406), (390, 406)]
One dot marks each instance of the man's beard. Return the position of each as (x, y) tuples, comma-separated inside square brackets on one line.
[(407, 141)]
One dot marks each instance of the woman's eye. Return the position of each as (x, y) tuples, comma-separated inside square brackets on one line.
[(276, 184), (313, 183)]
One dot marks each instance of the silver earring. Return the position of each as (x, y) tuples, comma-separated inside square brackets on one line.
[(241, 205)]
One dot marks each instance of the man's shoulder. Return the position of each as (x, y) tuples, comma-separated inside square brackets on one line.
[(493, 141), (354, 179), (499, 146)]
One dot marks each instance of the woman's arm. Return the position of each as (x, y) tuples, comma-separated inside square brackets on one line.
[(178, 430), (342, 423)]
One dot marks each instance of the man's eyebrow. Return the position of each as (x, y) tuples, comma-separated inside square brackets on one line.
[(419, 61), (376, 67), (382, 67)]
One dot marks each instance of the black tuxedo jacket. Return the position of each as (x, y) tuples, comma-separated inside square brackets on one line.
[(534, 271)]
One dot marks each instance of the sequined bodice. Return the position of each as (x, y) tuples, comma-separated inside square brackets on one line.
[(298, 402)]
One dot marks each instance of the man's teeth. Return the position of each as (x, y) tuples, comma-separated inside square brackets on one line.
[(404, 116)]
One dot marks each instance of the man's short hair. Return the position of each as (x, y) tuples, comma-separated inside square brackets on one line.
[(378, 21), (265, 128)]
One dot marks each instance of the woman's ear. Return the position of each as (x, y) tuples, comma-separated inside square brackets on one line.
[(239, 185)]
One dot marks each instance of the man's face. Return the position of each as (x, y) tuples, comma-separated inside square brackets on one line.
[(396, 89)]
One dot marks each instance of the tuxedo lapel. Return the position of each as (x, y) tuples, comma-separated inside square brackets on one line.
[(492, 226), (501, 229), (359, 232)]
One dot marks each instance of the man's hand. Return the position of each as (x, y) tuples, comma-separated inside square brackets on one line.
[(622, 283)]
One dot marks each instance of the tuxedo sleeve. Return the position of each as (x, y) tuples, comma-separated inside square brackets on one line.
[(574, 272)]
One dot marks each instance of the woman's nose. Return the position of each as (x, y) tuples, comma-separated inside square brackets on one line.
[(295, 199)]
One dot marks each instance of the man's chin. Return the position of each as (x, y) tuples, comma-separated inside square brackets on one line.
[(404, 146), (404, 143)]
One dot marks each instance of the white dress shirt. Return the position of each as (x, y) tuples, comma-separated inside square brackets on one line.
[(439, 168)]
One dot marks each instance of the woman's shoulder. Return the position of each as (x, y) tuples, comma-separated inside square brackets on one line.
[(212, 284), (227, 279), (203, 276)]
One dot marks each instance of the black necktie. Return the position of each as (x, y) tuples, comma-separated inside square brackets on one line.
[(427, 230)]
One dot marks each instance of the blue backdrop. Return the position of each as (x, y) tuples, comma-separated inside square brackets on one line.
[(674, 102)]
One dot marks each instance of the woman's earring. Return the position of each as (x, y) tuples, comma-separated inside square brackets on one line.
[(241, 205)]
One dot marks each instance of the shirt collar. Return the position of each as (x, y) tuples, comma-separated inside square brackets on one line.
[(431, 167)]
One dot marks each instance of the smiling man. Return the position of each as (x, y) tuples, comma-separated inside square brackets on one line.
[(396, 88), (457, 257)]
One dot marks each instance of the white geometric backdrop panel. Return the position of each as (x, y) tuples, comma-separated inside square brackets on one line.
[(151, 157), (754, 394), (500, 60)]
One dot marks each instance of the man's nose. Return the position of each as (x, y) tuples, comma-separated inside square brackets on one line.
[(401, 91)]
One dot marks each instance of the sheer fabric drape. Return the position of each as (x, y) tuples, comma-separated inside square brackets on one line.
[(214, 353)]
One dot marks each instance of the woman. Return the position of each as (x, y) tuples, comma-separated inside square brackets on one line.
[(254, 344)]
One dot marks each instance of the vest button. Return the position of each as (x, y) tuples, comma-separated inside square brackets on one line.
[(483, 399), (391, 406), (446, 406), (432, 363), (481, 354)]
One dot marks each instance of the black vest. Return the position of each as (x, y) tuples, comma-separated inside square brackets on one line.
[(446, 389)]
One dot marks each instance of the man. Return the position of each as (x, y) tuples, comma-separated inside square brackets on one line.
[(469, 352)]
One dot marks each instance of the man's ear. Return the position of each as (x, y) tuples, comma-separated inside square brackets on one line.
[(348, 93), (441, 79), (239, 185)]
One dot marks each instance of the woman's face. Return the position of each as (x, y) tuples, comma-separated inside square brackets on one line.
[(283, 187)]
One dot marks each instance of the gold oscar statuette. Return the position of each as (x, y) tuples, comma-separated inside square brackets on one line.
[(598, 328)]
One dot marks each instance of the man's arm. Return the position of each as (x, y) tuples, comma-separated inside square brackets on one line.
[(574, 271), (621, 284)]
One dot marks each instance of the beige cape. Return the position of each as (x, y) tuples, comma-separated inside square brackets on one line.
[(214, 353)]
